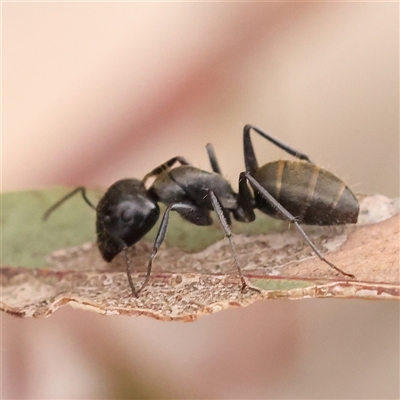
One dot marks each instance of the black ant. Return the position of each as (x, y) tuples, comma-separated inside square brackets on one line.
[(282, 189), (296, 191), (127, 211)]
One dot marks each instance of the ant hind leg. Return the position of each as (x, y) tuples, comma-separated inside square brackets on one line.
[(293, 152), (289, 217)]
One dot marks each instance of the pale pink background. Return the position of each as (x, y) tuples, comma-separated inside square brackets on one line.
[(93, 92)]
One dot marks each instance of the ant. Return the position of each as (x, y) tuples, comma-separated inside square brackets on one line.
[(282, 189), (127, 211), (296, 191)]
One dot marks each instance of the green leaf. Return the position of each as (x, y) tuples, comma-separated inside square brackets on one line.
[(27, 239)]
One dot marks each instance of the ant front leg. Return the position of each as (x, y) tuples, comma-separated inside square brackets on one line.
[(128, 272), (157, 243), (289, 217), (124, 247), (188, 211), (165, 167)]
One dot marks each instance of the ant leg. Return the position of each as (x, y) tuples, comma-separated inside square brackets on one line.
[(165, 167), (293, 152), (128, 271), (157, 243), (124, 248), (181, 208), (228, 234), (250, 159), (213, 158), (241, 213), (194, 214), (245, 200), (81, 189), (287, 215)]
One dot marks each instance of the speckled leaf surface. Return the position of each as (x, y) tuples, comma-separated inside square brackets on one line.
[(186, 285)]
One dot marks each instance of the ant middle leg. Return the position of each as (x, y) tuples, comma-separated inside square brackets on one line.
[(228, 234)]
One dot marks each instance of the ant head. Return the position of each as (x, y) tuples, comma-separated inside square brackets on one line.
[(124, 215), (128, 219)]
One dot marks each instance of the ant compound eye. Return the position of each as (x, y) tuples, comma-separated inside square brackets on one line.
[(127, 215), (126, 212)]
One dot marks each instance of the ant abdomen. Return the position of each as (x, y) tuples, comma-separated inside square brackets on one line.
[(312, 194)]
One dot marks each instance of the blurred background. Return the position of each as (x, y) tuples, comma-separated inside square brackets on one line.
[(94, 92)]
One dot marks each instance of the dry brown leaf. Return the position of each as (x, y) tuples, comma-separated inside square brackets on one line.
[(185, 286)]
